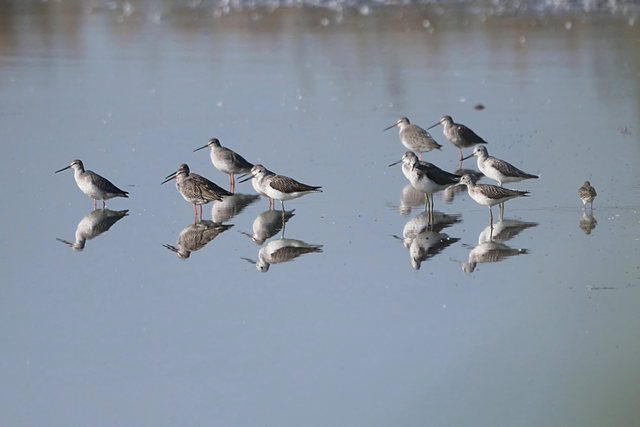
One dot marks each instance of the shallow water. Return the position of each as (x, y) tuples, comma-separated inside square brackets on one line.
[(125, 332)]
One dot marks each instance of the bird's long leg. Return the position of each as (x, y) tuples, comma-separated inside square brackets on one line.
[(95, 204), (195, 211), (200, 212), (104, 204), (282, 203), (491, 216), (232, 182), (271, 203)]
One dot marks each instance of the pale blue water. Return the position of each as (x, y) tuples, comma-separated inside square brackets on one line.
[(125, 332)]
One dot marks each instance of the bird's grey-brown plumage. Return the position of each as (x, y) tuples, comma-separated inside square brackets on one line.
[(92, 184), (496, 193), (458, 134), (289, 185), (414, 137), (194, 188), (201, 189), (587, 193), (497, 169), (288, 253)]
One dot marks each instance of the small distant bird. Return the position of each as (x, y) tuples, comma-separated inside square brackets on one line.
[(93, 185), (496, 169), (489, 195), (414, 137), (226, 160), (458, 134), (279, 187), (587, 193), (196, 189)]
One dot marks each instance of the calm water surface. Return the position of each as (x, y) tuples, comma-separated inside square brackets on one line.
[(371, 327)]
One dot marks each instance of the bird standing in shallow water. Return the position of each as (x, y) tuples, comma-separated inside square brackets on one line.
[(587, 193), (93, 185), (227, 161), (425, 177), (489, 195), (414, 137), (196, 189), (458, 134), (279, 187), (497, 169)]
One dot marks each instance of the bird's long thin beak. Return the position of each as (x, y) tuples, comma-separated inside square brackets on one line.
[(247, 178), (63, 169), (468, 157), (171, 248), (204, 146), (432, 126), (66, 242), (170, 177), (390, 127), (248, 260), (395, 163)]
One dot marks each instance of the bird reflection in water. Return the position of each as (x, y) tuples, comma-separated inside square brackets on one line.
[(422, 235), (409, 198), (491, 247), (195, 236), (268, 224), (230, 206), (587, 222), (451, 192), (93, 225), (282, 250)]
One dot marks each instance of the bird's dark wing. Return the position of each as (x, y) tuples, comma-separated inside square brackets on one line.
[(290, 185)]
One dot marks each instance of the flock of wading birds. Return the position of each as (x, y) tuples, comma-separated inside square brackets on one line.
[(423, 176)]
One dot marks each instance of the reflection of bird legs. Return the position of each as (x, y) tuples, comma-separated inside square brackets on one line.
[(271, 203), (428, 206), (283, 222)]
